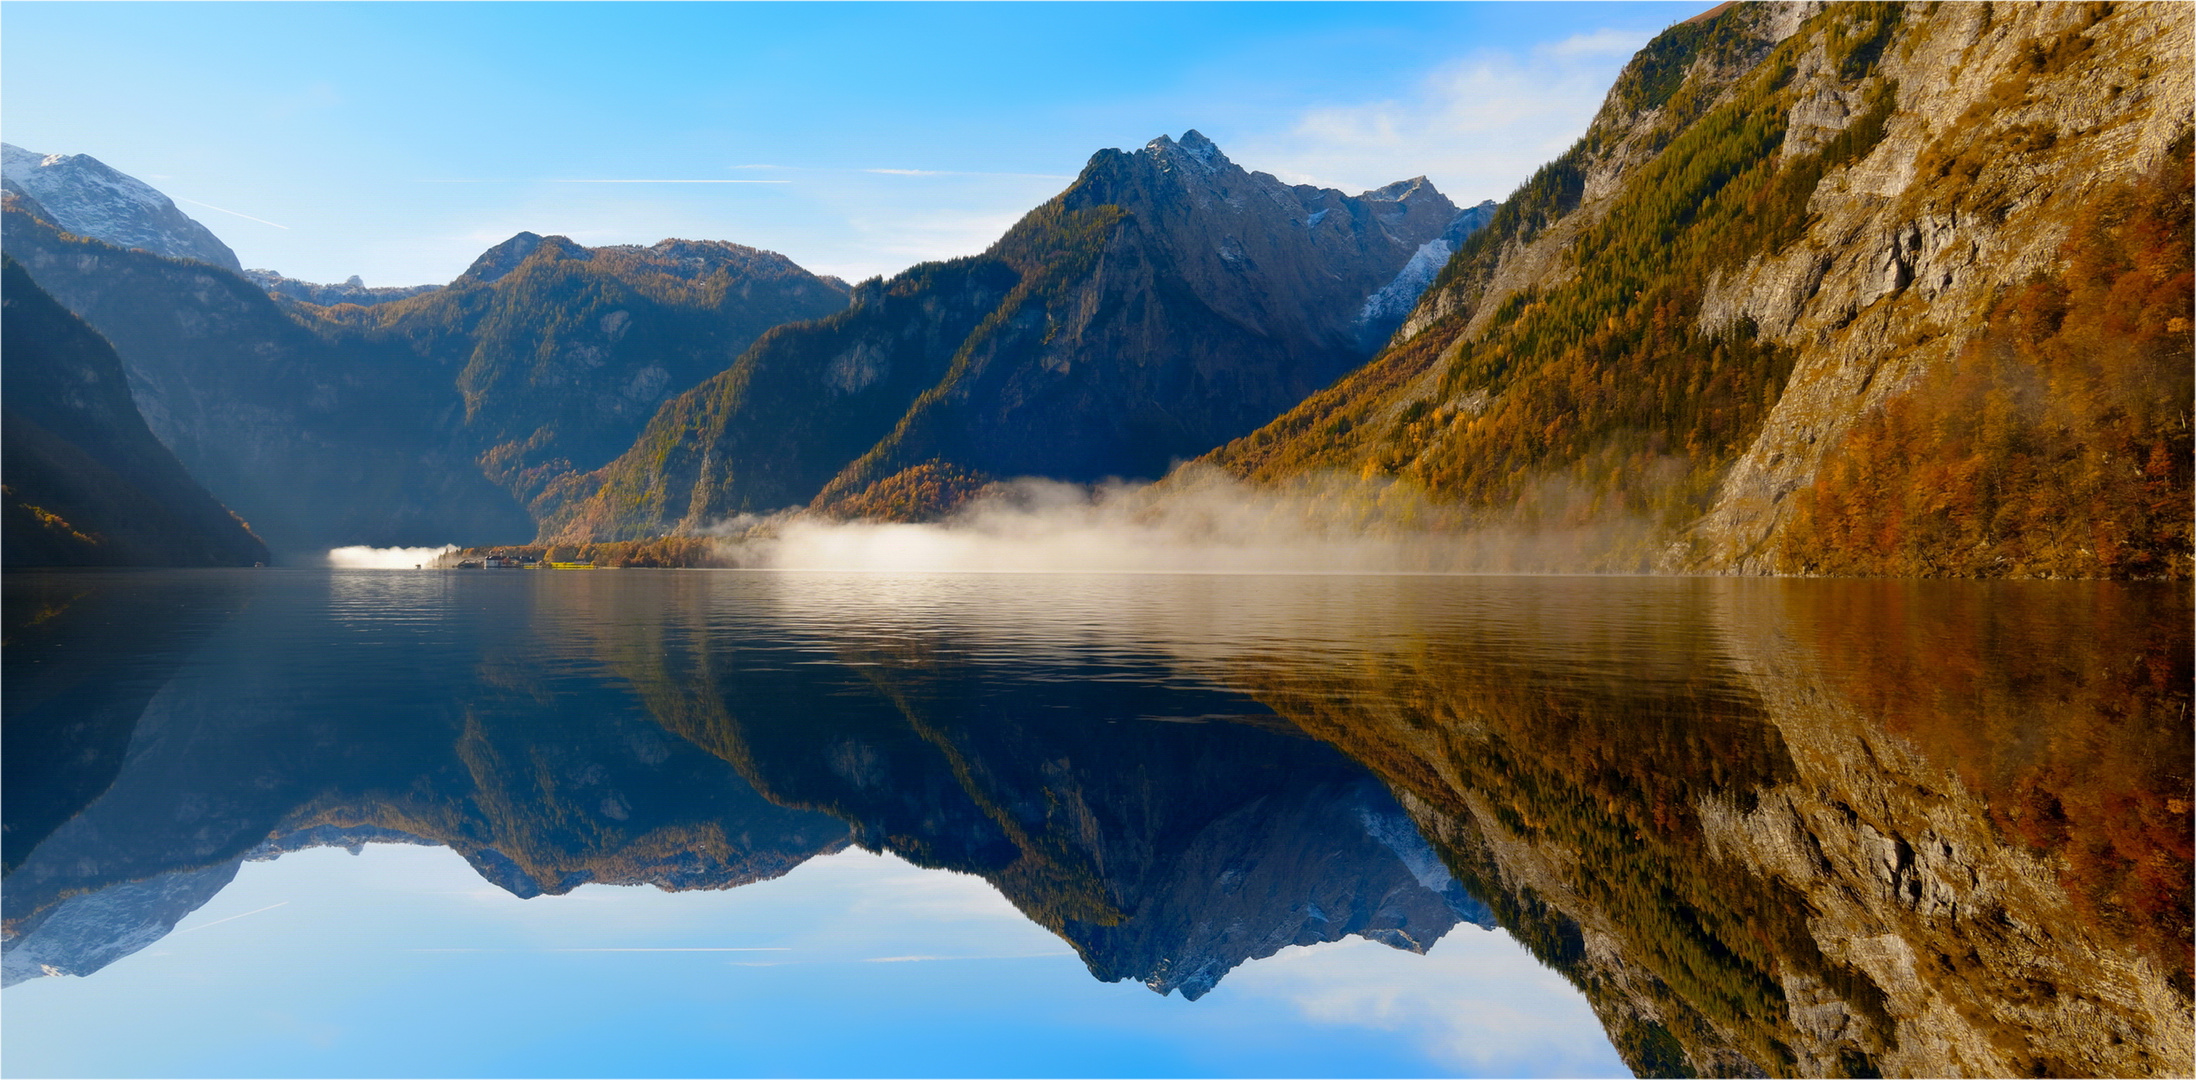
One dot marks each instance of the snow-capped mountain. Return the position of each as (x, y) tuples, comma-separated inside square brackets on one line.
[(86, 197), (1385, 310)]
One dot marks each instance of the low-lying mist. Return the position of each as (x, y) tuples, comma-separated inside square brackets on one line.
[(361, 557), (1197, 520)]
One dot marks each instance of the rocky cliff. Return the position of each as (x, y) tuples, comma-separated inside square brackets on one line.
[(1167, 301), (1824, 289)]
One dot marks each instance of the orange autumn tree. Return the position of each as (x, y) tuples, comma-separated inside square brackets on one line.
[(2058, 445)]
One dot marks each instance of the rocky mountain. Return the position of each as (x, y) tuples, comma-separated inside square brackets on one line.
[(87, 484), (1875, 289), (83, 195), (1166, 301), (425, 419)]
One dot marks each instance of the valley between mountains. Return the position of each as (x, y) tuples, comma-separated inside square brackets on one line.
[(1843, 289)]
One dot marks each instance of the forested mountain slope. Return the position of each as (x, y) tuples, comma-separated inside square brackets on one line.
[(1867, 288), (86, 482), (1166, 302)]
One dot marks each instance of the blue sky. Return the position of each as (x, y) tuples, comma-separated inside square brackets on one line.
[(403, 962), (397, 140)]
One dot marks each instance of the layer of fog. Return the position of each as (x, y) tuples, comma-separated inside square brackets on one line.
[(361, 557), (1197, 520)]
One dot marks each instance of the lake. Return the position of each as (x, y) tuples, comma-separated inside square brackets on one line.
[(385, 823)]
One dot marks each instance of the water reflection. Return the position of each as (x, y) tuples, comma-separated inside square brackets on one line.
[(1824, 828)]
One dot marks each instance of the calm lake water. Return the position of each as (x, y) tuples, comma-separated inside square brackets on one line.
[(384, 823)]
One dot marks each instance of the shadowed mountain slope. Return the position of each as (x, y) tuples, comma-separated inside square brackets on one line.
[(424, 420), (87, 484)]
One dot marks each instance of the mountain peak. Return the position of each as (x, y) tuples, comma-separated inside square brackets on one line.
[(1416, 187), (1193, 146), (503, 258), (88, 197)]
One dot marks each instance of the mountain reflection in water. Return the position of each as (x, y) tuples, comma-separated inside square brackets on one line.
[(1762, 826)]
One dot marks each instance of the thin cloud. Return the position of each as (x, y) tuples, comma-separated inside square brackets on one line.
[(606, 181), (247, 217), (920, 959), (957, 172), (1478, 126), (667, 181), (682, 948), (1604, 42)]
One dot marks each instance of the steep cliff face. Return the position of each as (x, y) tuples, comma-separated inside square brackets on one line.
[(1795, 236), (1167, 301), (87, 483)]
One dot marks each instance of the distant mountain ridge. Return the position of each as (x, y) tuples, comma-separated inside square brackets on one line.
[(351, 291), (85, 196), (1167, 300)]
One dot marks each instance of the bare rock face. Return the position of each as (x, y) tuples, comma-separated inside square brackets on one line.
[(87, 197), (1899, 261)]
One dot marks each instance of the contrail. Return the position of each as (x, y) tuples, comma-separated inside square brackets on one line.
[(667, 181), (247, 217), (958, 172), (597, 182), (680, 949), (1003, 956), (233, 918)]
